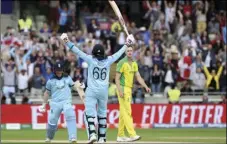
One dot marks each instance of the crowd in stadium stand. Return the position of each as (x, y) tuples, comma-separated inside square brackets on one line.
[(182, 45)]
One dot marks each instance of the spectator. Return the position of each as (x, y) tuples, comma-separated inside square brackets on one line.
[(218, 46), (156, 79), (3, 100), (8, 33), (21, 58), (185, 65), (25, 23), (169, 75), (133, 28), (78, 74), (186, 90), (170, 11), (93, 26), (37, 81), (145, 56), (201, 16), (224, 34), (152, 14), (161, 24), (174, 94), (187, 8), (198, 80), (138, 94), (223, 54), (45, 31), (196, 64), (145, 34), (63, 19), (23, 79), (212, 82), (29, 67), (223, 84), (70, 64), (157, 53), (205, 99), (223, 100), (204, 38), (180, 28), (209, 56), (9, 78), (25, 100), (213, 26), (47, 72)]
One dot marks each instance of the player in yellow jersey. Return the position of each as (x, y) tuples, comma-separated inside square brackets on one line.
[(127, 68)]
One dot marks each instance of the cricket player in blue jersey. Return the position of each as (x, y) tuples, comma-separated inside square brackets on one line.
[(59, 88), (98, 82)]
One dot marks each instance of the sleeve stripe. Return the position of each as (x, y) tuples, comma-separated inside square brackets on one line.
[(47, 89), (71, 85), (71, 47)]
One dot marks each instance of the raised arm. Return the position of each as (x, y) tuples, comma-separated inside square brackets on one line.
[(77, 51), (28, 53), (59, 7), (207, 73), (129, 42), (219, 71), (117, 55), (3, 68), (224, 34), (175, 5), (12, 52)]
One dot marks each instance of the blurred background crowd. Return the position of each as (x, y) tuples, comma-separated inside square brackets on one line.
[(180, 48)]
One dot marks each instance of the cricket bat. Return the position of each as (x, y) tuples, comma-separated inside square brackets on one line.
[(80, 90), (118, 14)]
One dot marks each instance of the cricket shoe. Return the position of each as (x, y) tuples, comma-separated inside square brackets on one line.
[(102, 140), (73, 141), (123, 139), (47, 140), (92, 139), (135, 138)]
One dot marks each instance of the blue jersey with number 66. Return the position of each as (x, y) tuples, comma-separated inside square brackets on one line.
[(98, 71)]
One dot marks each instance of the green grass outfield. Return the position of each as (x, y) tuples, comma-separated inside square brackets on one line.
[(204, 135)]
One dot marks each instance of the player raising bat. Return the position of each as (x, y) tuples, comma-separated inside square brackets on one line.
[(98, 82)]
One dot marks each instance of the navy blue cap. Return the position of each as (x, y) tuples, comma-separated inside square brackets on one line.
[(98, 51), (58, 66)]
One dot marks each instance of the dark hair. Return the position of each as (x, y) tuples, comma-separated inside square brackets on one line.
[(156, 65), (173, 85)]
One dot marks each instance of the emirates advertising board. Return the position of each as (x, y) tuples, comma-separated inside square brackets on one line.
[(144, 116)]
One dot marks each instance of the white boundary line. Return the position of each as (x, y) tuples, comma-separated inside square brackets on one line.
[(110, 142)]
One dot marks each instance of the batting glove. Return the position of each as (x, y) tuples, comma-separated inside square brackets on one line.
[(80, 85), (42, 108), (130, 40), (64, 37)]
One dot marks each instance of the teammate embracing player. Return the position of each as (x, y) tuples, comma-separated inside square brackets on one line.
[(98, 82)]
